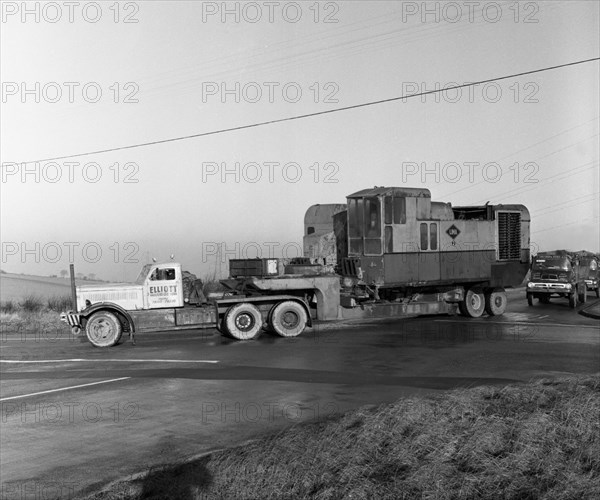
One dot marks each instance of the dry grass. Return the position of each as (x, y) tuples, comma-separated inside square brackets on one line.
[(539, 440), (59, 303)]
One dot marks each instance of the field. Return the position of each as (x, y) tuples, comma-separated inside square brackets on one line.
[(523, 441), (18, 286)]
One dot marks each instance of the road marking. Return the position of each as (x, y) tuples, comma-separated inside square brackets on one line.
[(79, 360), (64, 388), (510, 323)]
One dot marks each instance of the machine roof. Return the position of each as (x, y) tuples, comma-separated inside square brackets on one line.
[(392, 191)]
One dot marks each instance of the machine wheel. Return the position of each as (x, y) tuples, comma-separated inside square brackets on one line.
[(103, 329), (573, 300), (495, 302), (545, 299), (530, 299), (583, 295), (474, 303), (243, 321), (288, 319)]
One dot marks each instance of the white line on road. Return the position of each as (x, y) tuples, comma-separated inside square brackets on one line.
[(79, 360), (64, 388), (511, 323)]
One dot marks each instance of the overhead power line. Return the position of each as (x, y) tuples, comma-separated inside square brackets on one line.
[(317, 113)]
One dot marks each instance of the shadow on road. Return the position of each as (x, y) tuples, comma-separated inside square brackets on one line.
[(186, 481)]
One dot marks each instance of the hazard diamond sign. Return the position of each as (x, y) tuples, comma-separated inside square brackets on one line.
[(453, 231)]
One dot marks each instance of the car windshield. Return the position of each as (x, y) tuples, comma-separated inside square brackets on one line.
[(143, 274), (557, 263)]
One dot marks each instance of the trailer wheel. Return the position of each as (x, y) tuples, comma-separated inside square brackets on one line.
[(530, 299), (243, 321), (495, 302), (583, 295), (473, 304), (288, 319), (103, 329), (573, 300)]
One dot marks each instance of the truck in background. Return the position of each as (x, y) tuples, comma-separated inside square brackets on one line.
[(558, 273), (588, 262), (396, 254)]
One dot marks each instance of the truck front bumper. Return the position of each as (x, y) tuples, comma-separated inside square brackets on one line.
[(71, 319), (591, 284), (544, 287)]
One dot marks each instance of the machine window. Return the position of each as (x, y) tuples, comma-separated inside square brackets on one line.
[(399, 210), (388, 210), (424, 235), (433, 243), (372, 218), (310, 230)]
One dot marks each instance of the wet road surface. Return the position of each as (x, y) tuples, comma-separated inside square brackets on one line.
[(74, 416)]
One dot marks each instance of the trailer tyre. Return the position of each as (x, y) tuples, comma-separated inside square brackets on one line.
[(288, 319), (103, 329), (243, 321), (495, 302), (473, 304)]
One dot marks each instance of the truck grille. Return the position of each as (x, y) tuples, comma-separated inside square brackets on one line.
[(509, 235)]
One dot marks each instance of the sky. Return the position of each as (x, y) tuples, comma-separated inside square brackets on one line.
[(78, 79)]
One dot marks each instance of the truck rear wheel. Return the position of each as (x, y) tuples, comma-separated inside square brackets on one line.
[(495, 302), (473, 304), (583, 295), (243, 321), (573, 300), (103, 329), (288, 319)]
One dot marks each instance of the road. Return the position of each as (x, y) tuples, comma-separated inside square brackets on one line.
[(75, 417)]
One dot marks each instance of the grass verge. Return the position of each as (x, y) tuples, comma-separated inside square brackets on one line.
[(530, 441)]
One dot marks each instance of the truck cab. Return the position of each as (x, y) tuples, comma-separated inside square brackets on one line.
[(157, 286)]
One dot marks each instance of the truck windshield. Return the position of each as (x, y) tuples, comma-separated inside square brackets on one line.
[(558, 263), (143, 274)]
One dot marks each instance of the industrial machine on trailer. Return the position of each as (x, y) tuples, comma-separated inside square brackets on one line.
[(562, 273), (397, 253)]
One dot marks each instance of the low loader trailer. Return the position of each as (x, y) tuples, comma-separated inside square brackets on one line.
[(397, 254)]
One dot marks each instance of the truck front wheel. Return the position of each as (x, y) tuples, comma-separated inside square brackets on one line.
[(573, 300), (530, 299), (583, 295), (103, 329), (473, 305), (495, 302), (288, 319), (243, 321)]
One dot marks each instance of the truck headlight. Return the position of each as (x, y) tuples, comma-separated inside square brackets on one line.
[(568, 286), (529, 285)]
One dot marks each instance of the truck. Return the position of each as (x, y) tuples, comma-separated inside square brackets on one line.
[(588, 262), (557, 273), (387, 252)]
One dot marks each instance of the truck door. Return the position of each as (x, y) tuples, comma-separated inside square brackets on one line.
[(164, 287), (429, 257)]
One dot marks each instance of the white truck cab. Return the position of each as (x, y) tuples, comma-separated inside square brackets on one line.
[(157, 286)]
